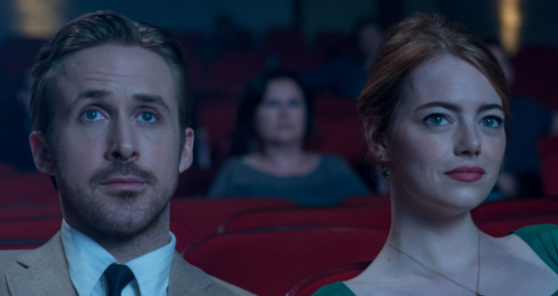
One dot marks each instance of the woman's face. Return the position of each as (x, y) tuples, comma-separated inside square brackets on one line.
[(447, 141), (281, 115)]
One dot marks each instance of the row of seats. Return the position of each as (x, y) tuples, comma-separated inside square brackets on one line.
[(273, 237), (205, 217)]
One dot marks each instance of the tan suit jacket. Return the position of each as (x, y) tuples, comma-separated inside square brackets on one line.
[(44, 271)]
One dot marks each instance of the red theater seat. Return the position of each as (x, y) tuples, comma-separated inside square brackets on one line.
[(184, 236), (204, 215), (283, 41), (342, 136), (33, 211), (218, 118), (367, 200), (548, 158), (503, 227), (27, 234), (270, 262), (328, 107), (513, 209), (232, 71), (312, 283), (334, 43), (27, 187), (365, 217), (7, 171), (536, 68)]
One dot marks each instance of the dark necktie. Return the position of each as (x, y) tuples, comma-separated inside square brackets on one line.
[(118, 276)]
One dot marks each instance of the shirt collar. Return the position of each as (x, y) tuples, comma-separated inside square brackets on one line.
[(87, 262)]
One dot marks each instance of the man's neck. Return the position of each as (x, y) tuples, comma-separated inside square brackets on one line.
[(127, 248)]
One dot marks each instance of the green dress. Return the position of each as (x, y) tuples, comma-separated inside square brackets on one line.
[(543, 239)]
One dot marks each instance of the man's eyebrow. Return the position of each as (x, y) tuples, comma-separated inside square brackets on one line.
[(151, 99), (439, 104), (93, 94)]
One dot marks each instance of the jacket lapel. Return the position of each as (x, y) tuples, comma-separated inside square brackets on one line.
[(186, 279), (45, 272)]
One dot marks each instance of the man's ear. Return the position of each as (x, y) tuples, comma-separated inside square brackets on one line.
[(376, 145), (187, 153), (41, 153)]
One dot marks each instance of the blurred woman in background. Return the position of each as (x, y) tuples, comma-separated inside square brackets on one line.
[(273, 126), (434, 111)]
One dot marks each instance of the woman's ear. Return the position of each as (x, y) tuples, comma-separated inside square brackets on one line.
[(376, 144), (41, 153)]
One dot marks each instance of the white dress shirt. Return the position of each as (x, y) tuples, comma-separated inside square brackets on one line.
[(87, 261)]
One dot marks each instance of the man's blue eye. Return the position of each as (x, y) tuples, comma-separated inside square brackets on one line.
[(92, 114), (147, 116)]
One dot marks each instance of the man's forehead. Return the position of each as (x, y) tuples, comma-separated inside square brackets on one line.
[(115, 59), (107, 69)]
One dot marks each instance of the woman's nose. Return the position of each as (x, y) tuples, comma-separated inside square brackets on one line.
[(467, 141)]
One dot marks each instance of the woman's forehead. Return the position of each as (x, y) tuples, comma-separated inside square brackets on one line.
[(449, 79)]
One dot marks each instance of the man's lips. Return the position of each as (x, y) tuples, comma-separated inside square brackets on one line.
[(124, 182), (466, 173)]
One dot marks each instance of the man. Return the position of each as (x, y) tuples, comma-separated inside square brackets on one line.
[(110, 112)]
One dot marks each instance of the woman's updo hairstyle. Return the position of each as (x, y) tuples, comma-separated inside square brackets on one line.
[(408, 45)]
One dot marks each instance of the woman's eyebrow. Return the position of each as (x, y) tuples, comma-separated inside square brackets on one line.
[(449, 106), (456, 108), (487, 107)]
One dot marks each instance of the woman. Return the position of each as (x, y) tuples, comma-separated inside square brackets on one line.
[(274, 122), (434, 111)]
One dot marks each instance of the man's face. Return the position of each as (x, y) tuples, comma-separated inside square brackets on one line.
[(116, 140)]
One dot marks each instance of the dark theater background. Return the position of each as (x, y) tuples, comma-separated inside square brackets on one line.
[(226, 43)]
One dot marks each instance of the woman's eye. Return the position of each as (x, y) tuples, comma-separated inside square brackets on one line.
[(491, 121), (93, 115), (147, 117), (436, 119)]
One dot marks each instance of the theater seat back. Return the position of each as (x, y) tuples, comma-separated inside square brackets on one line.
[(269, 262), (366, 217)]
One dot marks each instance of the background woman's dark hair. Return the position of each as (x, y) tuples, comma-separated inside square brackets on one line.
[(245, 131)]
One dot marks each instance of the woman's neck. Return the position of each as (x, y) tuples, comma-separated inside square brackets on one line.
[(283, 160), (432, 235), (281, 155)]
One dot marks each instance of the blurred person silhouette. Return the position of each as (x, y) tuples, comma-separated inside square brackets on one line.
[(273, 127), (110, 107), (16, 125), (520, 176), (343, 74)]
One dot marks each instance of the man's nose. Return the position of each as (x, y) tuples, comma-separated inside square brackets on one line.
[(467, 141), (122, 141)]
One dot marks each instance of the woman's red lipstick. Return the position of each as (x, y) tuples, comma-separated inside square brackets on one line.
[(466, 173)]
